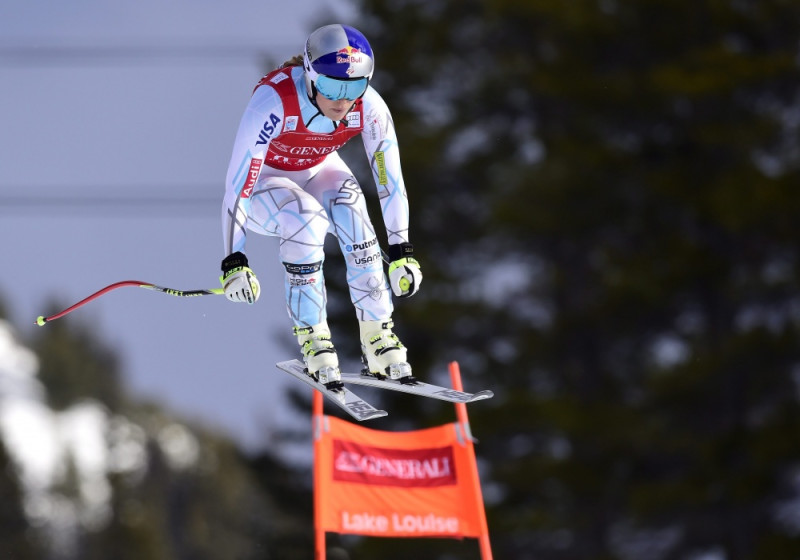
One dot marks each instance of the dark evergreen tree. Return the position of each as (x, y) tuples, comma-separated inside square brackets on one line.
[(291, 531)]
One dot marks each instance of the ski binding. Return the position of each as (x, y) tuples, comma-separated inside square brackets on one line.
[(341, 396)]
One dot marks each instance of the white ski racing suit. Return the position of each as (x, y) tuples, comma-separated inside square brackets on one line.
[(286, 179)]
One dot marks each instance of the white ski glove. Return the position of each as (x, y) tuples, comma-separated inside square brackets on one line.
[(404, 273), (238, 281)]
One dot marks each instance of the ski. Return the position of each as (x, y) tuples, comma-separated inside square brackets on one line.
[(416, 388), (343, 397)]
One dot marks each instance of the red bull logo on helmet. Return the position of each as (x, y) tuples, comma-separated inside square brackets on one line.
[(349, 55)]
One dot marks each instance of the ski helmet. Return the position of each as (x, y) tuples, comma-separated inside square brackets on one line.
[(338, 62)]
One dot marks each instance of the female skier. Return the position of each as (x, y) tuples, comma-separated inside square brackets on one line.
[(287, 179)]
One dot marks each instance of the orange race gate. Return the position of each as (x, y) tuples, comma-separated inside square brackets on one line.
[(421, 483)]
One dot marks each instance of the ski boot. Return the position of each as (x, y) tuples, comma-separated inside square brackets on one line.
[(319, 355), (382, 353)]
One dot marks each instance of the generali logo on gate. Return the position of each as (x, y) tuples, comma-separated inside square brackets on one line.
[(393, 467)]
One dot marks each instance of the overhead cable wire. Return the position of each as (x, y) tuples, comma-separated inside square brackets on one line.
[(54, 55), (71, 202)]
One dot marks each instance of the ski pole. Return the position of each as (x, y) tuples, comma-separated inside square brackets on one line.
[(41, 320)]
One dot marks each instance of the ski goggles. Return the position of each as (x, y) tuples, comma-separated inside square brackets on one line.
[(335, 89)]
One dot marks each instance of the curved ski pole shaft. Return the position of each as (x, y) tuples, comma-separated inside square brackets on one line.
[(41, 320)]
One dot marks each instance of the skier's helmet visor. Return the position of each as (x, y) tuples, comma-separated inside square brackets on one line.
[(336, 89)]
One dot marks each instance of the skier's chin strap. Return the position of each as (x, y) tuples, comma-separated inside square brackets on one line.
[(317, 114), (312, 96)]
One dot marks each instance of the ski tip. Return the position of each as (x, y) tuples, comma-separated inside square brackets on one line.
[(481, 395), (376, 414), (40, 320)]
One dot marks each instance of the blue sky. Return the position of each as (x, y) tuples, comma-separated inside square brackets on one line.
[(118, 122)]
